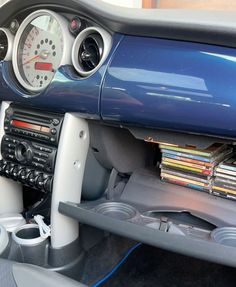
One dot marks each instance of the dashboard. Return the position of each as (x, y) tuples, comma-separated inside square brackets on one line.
[(89, 77)]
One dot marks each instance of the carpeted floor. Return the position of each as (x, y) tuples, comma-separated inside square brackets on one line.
[(152, 267), (102, 257)]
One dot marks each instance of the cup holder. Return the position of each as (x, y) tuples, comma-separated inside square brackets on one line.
[(225, 236), (34, 248), (27, 235), (116, 210)]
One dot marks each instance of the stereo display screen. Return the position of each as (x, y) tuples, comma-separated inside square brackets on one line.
[(26, 125)]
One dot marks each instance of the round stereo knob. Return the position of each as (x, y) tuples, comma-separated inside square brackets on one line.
[(22, 175), (23, 152), (31, 178), (8, 168), (2, 167), (48, 184), (39, 181), (14, 171)]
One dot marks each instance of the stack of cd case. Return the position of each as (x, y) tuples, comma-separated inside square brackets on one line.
[(224, 184), (191, 167)]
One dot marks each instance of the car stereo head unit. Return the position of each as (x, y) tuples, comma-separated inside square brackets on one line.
[(33, 124), (29, 146)]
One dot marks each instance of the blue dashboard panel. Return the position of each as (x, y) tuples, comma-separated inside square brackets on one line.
[(67, 92), (173, 85)]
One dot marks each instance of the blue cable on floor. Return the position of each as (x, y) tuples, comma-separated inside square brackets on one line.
[(116, 266)]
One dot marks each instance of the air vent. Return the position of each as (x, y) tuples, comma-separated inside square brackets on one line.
[(90, 49), (6, 41), (90, 52)]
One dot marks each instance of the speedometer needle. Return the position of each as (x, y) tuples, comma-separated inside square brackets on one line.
[(31, 60), (42, 55)]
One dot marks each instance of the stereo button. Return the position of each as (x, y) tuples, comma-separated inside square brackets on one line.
[(48, 184), (48, 150), (45, 155), (10, 156), (55, 122), (2, 167), (40, 166), (44, 137), (15, 171), (31, 178), (22, 175), (36, 146), (53, 131), (39, 181), (40, 160), (37, 165), (40, 154), (8, 168), (34, 164)]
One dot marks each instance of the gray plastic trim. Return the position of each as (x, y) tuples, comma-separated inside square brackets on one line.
[(225, 236), (178, 138), (203, 249), (29, 275), (4, 239), (60, 257), (218, 27), (145, 193), (144, 187)]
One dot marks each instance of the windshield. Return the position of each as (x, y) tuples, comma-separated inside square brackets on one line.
[(177, 4), (172, 4)]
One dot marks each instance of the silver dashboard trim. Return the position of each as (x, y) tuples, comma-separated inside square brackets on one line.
[(107, 40), (10, 40)]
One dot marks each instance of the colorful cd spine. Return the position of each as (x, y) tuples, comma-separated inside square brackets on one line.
[(201, 158), (189, 160), (184, 167), (189, 185), (194, 165)]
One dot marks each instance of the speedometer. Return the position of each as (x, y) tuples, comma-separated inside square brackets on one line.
[(42, 45)]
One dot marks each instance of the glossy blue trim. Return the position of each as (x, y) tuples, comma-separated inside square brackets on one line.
[(173, 85), (67, 92)]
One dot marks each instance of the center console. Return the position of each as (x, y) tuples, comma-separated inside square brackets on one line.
[(29, 146), (47, 152)]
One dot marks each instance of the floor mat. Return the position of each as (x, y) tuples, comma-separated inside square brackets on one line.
[(149, 266)]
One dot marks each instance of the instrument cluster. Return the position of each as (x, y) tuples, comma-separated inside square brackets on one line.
[(45, 40)]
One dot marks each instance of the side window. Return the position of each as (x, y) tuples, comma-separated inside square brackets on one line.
[(190, 4)]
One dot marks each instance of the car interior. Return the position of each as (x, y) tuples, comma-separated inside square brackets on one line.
[(117, 142)]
